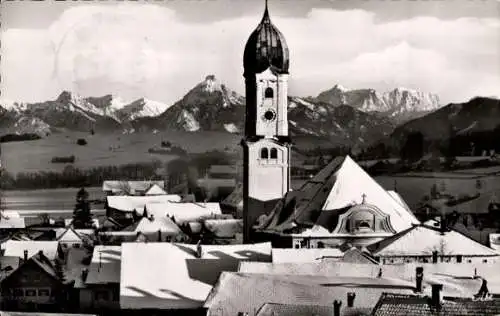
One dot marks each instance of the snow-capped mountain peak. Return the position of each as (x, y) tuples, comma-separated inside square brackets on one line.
[(211, 84), (400, 103), (340, 88)]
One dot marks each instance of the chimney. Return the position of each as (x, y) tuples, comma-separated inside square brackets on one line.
[(85, 272), (159, 235), (442, 226), (434, 256), (336, 308), (40, 253), (419, 277), (350, 299), (198, 249), (436, 295), (25, 255)]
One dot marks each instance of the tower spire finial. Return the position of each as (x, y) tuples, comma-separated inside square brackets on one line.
[(266, 12)]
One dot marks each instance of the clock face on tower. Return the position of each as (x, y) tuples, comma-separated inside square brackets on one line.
[(269, 115)]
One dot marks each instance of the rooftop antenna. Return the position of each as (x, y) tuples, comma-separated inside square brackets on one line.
[(100, 261)]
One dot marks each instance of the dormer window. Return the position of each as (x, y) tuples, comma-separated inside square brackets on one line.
[(269, 93), (274, 153), (264, 153)]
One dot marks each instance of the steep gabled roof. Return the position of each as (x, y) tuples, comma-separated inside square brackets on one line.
[(392, 304), (303, 206), (337, 187), (39, 260), (155, 189), (69, 235)]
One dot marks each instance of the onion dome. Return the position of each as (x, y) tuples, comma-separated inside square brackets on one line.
[(266, 47)]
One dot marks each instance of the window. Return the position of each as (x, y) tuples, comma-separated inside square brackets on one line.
[(274, 153), (18, 292), (43, 293), (269, 93), (30, 292), (485, 260), (102, 295), (76, 245), (459, 259), (264, 153)]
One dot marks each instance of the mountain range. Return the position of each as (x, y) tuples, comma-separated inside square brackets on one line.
[(344, 116)]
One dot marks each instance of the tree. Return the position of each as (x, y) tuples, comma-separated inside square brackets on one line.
[(81, 142), (59, 269), (413, 148), (82, 218)]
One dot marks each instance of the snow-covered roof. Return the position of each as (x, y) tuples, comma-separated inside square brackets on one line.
[(132, 203), (457, 278), (337, 187), (11, 221), (183, 212), (155, 190), (352, 182), (224, 228), (105, 265), (155, 224), (282, 255), (170, 276), (423, 240), (241, 292), (495, 242), (10, 214), (17, 247), (69, 235), (121, 186)]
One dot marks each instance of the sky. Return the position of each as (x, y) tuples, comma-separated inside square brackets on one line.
[(162, 49)]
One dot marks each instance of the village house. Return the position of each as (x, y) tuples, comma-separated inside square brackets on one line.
[(11, 221), (70, 238), (220, 180), (359, 294), (122, 209), (111, 187), (101, 281), (391, 304), (33, 286), (423, 243)]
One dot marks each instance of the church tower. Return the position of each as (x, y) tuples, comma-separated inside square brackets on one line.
[(266, 145)]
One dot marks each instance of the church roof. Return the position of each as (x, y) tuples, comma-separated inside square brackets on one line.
[(266, 47), (334, 190)]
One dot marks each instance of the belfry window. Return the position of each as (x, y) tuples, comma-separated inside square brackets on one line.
[(269, 93), (264, 153), (274, 153)]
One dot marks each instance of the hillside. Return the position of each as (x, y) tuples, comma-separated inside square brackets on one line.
[(477, 115)]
